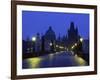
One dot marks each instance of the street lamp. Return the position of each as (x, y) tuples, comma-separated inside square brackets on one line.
[(57, 46), (33, 42), (50, 44), (75, 44), (72, 46), (81, 39), (33, 39)]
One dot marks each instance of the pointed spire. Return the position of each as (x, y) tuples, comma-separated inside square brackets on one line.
[(59, 37), (76, 29), (50, 28), (50, 34), (72, 26)]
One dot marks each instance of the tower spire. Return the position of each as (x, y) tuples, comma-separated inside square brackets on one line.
[(72, 26)]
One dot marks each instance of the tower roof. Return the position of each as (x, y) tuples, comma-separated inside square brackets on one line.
[(50, 34), (72, 26)]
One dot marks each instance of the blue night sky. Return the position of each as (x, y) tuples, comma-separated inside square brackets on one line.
[(39, 22)]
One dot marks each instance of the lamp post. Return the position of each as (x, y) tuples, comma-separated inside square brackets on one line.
[(33, 41), (80, 51), (77, 47), (81, 39)]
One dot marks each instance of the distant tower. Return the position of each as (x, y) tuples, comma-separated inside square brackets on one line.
[(38, 43), (50, 38), (50, 34), (72, 34), (42, 44), (59, 38)]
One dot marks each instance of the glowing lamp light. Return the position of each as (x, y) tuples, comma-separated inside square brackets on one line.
[(34, 62), (57, 46), (81, 39), (34, 39), (75, 44), (61, 47), (50, 44), (72, 46)]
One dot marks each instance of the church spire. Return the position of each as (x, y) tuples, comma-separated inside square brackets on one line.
[(50, 28), (59, 38), (72, 26)]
